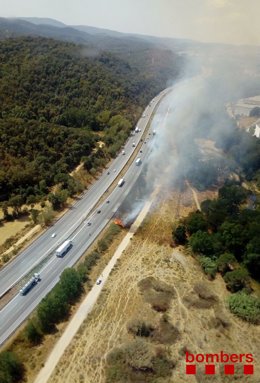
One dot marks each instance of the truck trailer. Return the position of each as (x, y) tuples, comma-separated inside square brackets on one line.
[(64, 248), (29, 285)]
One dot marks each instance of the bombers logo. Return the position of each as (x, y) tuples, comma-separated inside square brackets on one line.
[(209, 361)]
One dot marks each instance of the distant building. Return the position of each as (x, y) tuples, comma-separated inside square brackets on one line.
[(257, 131)]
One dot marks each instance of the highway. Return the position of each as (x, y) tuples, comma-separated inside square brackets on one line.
[(73, 225)]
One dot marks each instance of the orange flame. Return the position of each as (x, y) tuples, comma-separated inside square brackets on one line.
[(119, 222)]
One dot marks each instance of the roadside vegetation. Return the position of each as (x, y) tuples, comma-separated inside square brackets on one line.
[(225, 236), (54, 309)]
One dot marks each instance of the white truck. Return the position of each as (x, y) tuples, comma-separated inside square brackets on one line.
[(138, 161), (121, 182), (29, 285), (62, 249)]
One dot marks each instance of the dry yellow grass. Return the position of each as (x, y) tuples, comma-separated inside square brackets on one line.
[(201, 329), (10, 229)]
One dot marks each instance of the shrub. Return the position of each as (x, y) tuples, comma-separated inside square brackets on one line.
[(245, 307), (225, 262), (236, 280), (179, 235), (209, 266), (33, 333)]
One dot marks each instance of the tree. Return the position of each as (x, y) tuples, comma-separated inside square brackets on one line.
[(33, 333), (195, 222), (252, 262), (70, 285), (225, 262), (46, 216), (234, 237), (34, 215), (16, 202), (234, 194), (236, 280), (204, 243), (179, 235), (52, 310), (11, 369), (4, 207)]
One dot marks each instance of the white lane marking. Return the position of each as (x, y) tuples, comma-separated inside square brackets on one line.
[(15, 297)]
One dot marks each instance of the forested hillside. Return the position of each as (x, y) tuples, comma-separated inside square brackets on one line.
[(58, 99)]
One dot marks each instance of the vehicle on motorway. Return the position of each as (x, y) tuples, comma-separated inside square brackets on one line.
[(133, 144), (29, 285), (123, 152), (64, 248), (141, 151), (98, 211), (89, 224), (138, 162), (121, 182), (137, 130), (114, 170), (99, 281), (108, 173), (108, 201), (53, 235), (154, 132)]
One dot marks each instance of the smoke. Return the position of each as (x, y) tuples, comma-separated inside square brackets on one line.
[(195, 109)]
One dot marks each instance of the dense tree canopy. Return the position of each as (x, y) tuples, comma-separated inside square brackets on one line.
[(57, 98)]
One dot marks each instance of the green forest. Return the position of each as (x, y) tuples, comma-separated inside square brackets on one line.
[(57, 99)]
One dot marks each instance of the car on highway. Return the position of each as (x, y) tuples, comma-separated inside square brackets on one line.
[(98, 211), (53, 235), (123, 152), (89, 224), (133, 144), (108, 201), (108, 173), (99, 281)]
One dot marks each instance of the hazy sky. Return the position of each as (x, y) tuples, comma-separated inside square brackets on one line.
[(231, 21)]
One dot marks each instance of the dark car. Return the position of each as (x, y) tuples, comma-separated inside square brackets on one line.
[(99, 211)]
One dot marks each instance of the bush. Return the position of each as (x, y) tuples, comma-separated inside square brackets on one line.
[(179, 235), (225, 262), (140, 328), (236, 280), (245, 307), (209, 266), (202, 242), (33, 333)]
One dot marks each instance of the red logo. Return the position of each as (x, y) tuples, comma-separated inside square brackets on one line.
[(228, 363)]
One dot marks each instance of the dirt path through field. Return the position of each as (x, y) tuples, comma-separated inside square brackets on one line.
[(87, 305)]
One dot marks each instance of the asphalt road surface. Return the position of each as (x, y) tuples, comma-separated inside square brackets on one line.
[(73, 225)]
